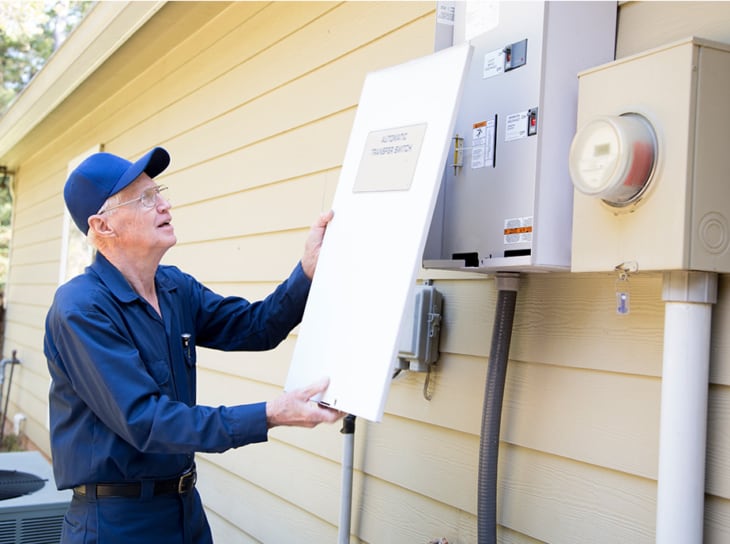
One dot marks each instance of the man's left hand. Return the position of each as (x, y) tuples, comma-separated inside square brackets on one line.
[(314, 243)]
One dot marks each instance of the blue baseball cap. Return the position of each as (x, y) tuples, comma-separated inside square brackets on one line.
[(102, 175)]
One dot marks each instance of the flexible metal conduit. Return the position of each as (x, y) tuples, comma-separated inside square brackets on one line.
[(507, 285)]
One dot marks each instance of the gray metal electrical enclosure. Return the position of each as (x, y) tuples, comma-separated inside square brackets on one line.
[(506, 197)]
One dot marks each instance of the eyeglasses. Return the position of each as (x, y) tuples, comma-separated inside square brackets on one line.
[(148, 199)]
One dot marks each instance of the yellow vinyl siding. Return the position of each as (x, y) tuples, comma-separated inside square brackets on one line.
[(645, 25), (556, 500)]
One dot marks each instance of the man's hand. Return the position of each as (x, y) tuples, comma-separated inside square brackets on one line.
[(295, 409), (314, 243)]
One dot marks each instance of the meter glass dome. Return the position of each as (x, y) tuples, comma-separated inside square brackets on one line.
[(612, 158)]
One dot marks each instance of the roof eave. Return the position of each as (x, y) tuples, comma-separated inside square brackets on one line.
[(104, 29)]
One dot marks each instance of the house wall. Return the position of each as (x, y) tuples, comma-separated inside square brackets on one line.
[(255, 102)]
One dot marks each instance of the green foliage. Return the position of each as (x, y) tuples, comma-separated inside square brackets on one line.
[(30, 31)]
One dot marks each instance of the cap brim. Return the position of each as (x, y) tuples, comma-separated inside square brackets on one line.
[(153, 163)]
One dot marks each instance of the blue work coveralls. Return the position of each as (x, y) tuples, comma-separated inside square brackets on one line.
[(122, 399)]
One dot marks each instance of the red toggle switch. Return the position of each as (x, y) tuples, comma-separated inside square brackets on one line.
[(532, 122)]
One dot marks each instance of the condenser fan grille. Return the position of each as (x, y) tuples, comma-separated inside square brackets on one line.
[(14, 483)]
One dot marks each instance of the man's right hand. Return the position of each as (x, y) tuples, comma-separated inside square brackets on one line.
[(295, 408)]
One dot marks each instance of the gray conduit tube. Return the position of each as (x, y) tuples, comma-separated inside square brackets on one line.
[(507, 285), (348, 430)]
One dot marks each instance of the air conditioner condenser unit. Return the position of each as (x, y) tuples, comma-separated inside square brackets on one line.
[(33, 515)]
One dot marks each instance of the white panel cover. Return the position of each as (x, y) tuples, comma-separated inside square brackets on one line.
[(372, 250)]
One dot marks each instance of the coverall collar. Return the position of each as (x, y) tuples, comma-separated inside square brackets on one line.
[(117, 283)]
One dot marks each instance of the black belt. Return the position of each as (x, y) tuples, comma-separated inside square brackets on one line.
[(180, 485)]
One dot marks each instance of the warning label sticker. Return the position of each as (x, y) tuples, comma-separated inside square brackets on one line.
[(479, 144), (516, 127), (482, 144), (518, 230)]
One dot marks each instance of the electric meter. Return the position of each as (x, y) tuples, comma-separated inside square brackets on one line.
[(612, 158)]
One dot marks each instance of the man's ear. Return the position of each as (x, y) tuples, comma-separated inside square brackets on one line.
[(100, 226)]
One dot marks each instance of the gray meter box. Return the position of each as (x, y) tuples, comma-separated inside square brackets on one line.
[(506, 197)]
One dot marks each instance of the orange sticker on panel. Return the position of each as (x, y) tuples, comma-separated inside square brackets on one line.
[(518, 230)]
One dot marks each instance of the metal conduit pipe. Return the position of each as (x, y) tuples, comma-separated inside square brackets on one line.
[(348, 430), (507, 285), (4, 411), (4, 363)]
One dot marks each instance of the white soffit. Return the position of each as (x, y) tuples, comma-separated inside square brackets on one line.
[(104, 30)]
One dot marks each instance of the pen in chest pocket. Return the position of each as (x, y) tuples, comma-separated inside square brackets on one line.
[(185, 337)]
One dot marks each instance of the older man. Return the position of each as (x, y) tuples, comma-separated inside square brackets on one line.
[(121, 344)]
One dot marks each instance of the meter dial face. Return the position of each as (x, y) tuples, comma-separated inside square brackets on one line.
[(612, 158), (594, 157)]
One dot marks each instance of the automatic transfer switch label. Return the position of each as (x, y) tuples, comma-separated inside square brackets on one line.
[(389, 159), (518, 230)]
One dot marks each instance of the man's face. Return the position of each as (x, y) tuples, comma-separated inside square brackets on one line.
[(140, 228)]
